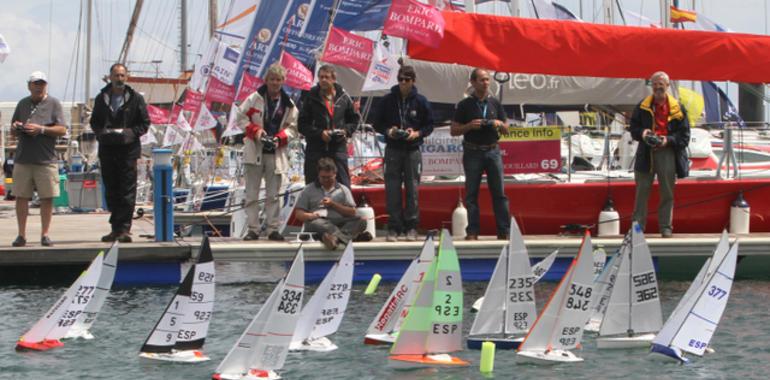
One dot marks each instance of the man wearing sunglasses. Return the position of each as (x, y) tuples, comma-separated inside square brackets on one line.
[(405, 118)]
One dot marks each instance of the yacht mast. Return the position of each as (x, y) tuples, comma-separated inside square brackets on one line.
[(88, 53), (130, 33), (212, 17), (183, 37)]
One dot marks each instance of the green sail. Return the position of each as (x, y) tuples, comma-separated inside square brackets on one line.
[(446, 314)]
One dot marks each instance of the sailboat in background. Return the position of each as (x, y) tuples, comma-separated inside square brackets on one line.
[(633, 314), (179, 334), (433, 327), (510, 306), (58, 320), (603, 285), (387, 323), (81, 328), (692, 324), (263, 346), (559, 327), (323, 314)]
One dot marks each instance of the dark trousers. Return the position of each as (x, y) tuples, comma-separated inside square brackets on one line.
[(119, 177), (345, 229), (402, 167), (476, 163), (340, 160)]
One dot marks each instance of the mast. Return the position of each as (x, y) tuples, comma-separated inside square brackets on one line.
[(130, 33), (212, 17), (88, 53), (183, 37)]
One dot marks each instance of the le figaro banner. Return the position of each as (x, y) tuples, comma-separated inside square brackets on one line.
[(523, 150)]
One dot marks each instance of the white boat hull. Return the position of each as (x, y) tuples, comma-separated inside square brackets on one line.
[(547, 358), (188, 356), (615, 342), (592, 326), (379, 339), (80, 334), (251, 375), (322, 344)]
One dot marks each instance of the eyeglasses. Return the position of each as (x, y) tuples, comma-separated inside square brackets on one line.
[(404, 79)]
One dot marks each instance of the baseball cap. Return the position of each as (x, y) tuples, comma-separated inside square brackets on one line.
[(37, 76)]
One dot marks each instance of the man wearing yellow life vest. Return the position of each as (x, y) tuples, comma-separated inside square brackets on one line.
[(660, 125)]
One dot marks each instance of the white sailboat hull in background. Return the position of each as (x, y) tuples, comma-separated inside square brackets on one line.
[(549, 358), (322, 344), (636, 341), (188, 356), (379, 339), (256, 375)]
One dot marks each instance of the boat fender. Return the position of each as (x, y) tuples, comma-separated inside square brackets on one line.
[(609, 220), (459, 220), (740, 215), (366, 212)]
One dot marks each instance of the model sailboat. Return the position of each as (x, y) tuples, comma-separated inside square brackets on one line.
[(263, 346), (180, 332), (559, 327), (386, 324), (433, 326), (633, 313), (510, 307), (82, 326), (58, 320), (323, 314), (603, 285), (692, 324)]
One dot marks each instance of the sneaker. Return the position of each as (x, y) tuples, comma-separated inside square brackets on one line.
[(19, 242), (666, 233), (363, 236), (110, 237), (471, 237), (411, 235), (330, 241), (123, 237), (392, 236), (251, 236), (46, 241), (275, 236)]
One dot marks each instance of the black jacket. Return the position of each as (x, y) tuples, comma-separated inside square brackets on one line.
[(314, 118), (131, 117), (414, 112), (678, 135)]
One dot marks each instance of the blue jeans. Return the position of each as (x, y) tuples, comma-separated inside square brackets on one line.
[(475, 164), (402, 167)]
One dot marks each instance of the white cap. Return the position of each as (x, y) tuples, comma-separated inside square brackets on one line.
[(37, 76)]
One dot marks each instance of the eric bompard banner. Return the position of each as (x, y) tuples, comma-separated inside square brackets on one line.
[(347, 49), (414, 21)]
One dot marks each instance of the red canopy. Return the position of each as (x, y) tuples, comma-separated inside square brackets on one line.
[(521, 45)]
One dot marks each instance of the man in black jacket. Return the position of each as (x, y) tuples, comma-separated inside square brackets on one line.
[(119, 119), (661, 126), (327, 119), (405, 118)]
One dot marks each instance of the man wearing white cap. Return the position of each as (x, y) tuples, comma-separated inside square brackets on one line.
[(37, 122)]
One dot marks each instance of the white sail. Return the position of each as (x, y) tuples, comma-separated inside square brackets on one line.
[(634, 305), (103, 286), (600, 258), (666, 333), (324, 312), (560, 324), (541, 268), (45, 324), (490, 318), (695, 326), (163, 336), (396, 306), (270, 350), (86, 286), (520, 295), (604, 285), (200, 305)]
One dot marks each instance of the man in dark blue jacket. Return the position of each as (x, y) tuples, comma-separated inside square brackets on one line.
[(660, 125), (405, 118), (327, 119), (119, 119)]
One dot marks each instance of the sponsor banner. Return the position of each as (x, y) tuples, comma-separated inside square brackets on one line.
[(531, 150), (249, 84), (362, 15), (192, 101), (297, 75), (202, 68), (157, 115), (219, 92), (205, 119), (442, 153), (412, 20), (225, 64), (383, 70), (347, 49)]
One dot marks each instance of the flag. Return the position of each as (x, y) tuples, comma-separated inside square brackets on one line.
[(205, 119), (362, 15), (681, 15), (412, 20), (176, 109), (172, 136), (249, 84), (719, 108), (219, 92), (549, 10), (157, 115), (190, 145), (232, 128), (202, 68), (5, 50), (182, 123), (347, 49), (225, 64), (383, 70), (297, 75), (149, 137)]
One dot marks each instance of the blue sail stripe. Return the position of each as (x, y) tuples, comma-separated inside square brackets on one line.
[(703, 318)]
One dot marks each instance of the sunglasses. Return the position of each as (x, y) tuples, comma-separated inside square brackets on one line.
[(404, 79)]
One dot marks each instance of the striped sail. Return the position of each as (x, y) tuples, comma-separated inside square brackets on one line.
[(163, 336), (200, 304), (445, 334), (415, 329), (103, 286), (392, 313)]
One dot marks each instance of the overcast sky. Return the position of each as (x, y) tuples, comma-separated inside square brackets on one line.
[(43, 34)]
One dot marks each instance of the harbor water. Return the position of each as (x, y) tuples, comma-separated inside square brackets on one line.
[(130, 313)]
